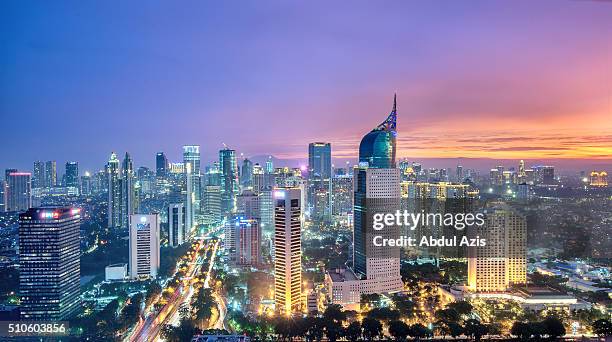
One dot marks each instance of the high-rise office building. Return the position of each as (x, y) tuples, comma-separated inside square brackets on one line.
[(246, 173), (17, 191), (211, 204), (259, 182), (502, 261), (459, 174), (38, 176), (287, 250), (144, 246), (521, 170), (319, 160), (113, 172), (49, 263), (86, 184), (191, 157), (377, 190), (248, 242), (50, 174), (342, 194), (161, 165), (229, 180), (544, 175), (72, 174), (248, 204), (319, 181), (269, 165), (128, 193), (177, 234), (189, 198)]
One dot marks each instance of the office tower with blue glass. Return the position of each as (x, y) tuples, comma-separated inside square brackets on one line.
[(377, 190), (319, 181), (17, 190), (49, 263), (229, 180)]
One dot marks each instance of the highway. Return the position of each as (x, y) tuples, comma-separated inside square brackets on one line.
[(150, 328)]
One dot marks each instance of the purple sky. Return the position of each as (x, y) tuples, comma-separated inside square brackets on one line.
[(474, 79)]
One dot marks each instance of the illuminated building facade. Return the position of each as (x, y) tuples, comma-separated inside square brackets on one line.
[(598, 179), (144, 246), (72, 174), (319, 181), (49, 263), (229, 180), (377, 190), (114, 192), (191, 161), (287, 250), (17, 191), (502, 261)]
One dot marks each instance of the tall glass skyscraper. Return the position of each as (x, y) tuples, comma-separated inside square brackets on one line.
[(114, 192), (191, 158), (229, 180), (246, 173), (49, 263), (319, 181), (161, 164), (72, 174), (38, 177), (377, 190), (50, 174), (128, 195)]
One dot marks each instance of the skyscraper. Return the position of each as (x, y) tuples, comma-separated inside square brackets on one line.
[(229, 180), (86, 184), (128, 195), (319, 181), (502, 261), (246, 173), (161, 165), (50, 174), (49, 263), (114, 192), (248, 242), (191, 157), (287, 249), (72, 174), (17, 191), (377, 190), (319, 160), (144, 246), (177, 234), (38, 177)]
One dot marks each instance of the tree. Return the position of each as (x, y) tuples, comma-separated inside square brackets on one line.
[(372, 328), (404, 305), (334, 313), (553, 327), (521, 330), (475, 329), (447, 315), (419, 331), (454, 329), (353, 331), (462, 307), (384, 314), (602, 327), (399, 330)]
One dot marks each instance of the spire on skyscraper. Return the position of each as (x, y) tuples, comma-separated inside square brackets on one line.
[(390, 123)]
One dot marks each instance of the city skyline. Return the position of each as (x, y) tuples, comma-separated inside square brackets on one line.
[(509, 91)]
